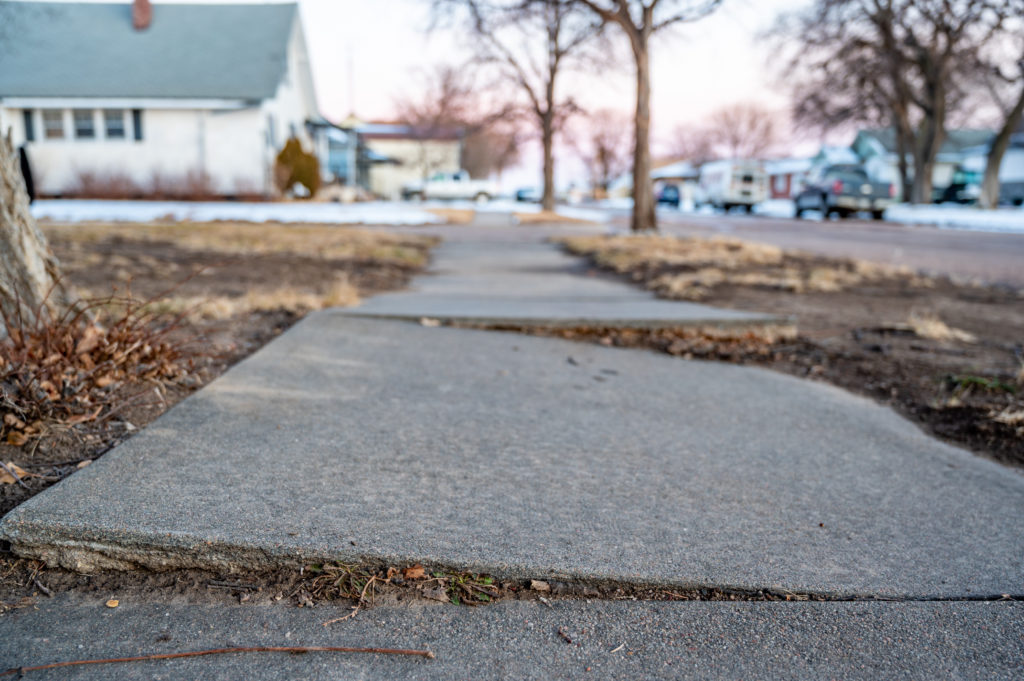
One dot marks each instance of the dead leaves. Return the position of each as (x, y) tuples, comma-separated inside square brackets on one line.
[(11, 474), (67, 371), (414, 572)]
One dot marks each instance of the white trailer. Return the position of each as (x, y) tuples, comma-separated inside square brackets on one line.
[(729, 184)]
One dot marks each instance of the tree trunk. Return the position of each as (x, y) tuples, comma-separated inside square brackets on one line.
[(29, 274), (930, 138), (902, 148), (644, 217), (548, 142), (990, 185)]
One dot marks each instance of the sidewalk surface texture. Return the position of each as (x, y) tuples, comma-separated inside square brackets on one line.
[(380, 440), (534, 284)]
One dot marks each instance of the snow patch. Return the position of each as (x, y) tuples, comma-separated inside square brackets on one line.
[(182, 211), (959, 217)]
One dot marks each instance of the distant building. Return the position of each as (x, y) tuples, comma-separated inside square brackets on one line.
[(397, 154), (878, 152), (786, 175), (156, 97)]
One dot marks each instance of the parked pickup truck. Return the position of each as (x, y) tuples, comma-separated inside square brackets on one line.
[(450, 186), (844, 190)]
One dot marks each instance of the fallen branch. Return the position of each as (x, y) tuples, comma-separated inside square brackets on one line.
[(221, 651)]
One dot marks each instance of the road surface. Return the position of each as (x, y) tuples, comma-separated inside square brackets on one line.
[(985, 256)]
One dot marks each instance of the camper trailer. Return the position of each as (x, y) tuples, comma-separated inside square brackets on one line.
[(731, 184)]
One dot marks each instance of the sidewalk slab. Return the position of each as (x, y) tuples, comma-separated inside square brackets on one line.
[(536, 284), (519, 640), (381, 441)]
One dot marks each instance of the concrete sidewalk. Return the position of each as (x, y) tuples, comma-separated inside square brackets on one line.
[(382, 441), (520, 640), (535, 284)]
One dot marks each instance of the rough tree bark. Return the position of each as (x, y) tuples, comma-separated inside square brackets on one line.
[(644, 216), (29, 273), (990, 187)]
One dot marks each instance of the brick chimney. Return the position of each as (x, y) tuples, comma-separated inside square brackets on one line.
[(142, 14)]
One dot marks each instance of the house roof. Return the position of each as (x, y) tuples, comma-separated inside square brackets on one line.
[(788, 166), (401, 131), (679, 170), (836, 156), (189, 51), (957, 141)]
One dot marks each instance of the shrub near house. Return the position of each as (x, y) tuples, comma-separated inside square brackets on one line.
[(294, 166)]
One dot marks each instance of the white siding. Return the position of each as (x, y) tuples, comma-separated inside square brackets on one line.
[(228, 145), (176, 144)]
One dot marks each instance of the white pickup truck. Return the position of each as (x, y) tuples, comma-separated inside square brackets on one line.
[(449, 186)]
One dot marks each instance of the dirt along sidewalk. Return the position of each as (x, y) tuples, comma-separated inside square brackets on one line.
[(949, 356)]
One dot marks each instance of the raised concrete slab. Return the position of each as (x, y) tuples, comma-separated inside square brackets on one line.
[(364, 440), (536, 284), (519, 640)]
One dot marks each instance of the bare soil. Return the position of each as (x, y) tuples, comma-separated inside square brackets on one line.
[(948, 356)]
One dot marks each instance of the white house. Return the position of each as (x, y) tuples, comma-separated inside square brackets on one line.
[(163, 98)]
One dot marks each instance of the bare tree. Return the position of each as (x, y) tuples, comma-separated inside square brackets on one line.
[(531, 43), (1006, 83), (441, 110), (603, 144), (639, 20), (693, 144), (904, 62), (490, 149), (29, 274), (745, 130)]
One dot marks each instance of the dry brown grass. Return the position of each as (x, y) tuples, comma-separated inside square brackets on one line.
[(318, 241), (928, 325), (340, 293), (696, 266), (454, 216), (546, 217)]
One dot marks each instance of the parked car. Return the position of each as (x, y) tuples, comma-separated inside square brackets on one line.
[(967, 179), (844, 190), (457, 185), (528, 195), (669, 195), (731, 184)]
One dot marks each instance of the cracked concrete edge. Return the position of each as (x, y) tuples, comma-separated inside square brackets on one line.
[(84, 551), (580, 323)]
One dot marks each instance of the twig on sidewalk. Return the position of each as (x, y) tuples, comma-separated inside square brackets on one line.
[(221, 651)]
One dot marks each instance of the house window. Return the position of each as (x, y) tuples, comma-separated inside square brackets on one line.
[(137, 124), (85, 124), (53, 124), (113, 123), (30, 128)]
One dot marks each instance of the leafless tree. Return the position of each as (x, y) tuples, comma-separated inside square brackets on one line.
[(490, 149), (639, 20), (903, 64), (440, 110), (603, 140), (531, 43), (745, 130), (693, 143), (1002, 69)]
